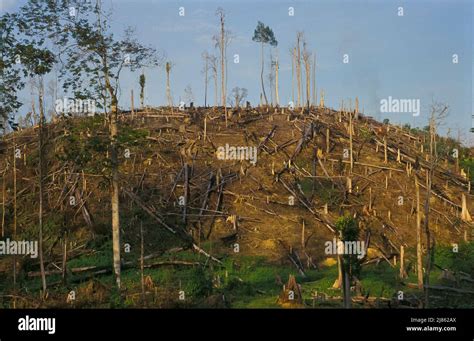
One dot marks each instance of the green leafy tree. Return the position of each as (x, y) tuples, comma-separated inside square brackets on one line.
[(92, 61), (348, 230), (264, 35), (22, 57)]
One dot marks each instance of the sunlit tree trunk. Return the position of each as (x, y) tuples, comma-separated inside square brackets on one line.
[(277, 66), (41, 195), (419, 251)]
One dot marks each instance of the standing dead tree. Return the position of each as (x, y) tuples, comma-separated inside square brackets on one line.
[(293, 62), (238, 96), (438, 114), (205, 71), (277, 67), (307, 66), (299, 38), (168, 67), (214, 70), (315, 99), (222, 41)]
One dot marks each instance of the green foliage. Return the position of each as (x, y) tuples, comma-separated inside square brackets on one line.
[(199, 283), (468, 165), (348, 229), (85, 144), (264, 34), (102, 256), (365, 134), (463, 260), (128, 136), (35, 60)]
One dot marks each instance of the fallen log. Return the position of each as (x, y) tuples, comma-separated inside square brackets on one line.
[(444, 288), (315, 214), (183, 235)]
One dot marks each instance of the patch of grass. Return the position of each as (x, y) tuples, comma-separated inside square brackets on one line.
[(463, 260), (102, 257)]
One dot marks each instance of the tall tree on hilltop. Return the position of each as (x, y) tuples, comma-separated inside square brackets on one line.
[(264, 35), (222, 41)]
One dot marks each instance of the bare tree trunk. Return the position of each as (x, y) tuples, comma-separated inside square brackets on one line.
[(223, 78), (205, 82), (403, 273), (115, 197), (429, 179), (216, 97), (64, 261), (428, 238), (346, 284), (186, 192), (3, 204), (315, 100), (41, 169), (115, 189), (14, 221), (328, 141), (142, 263), (168, 88), (350, 141), (419, 251), (261, 79), (293, 54), (338, 283), (277, 66), (298, 67), (132, 104), (308, 82)]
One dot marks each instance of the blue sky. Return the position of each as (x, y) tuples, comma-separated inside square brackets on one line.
[(407, 57)]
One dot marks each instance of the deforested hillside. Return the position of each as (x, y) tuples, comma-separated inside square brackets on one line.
[(246, 210)]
